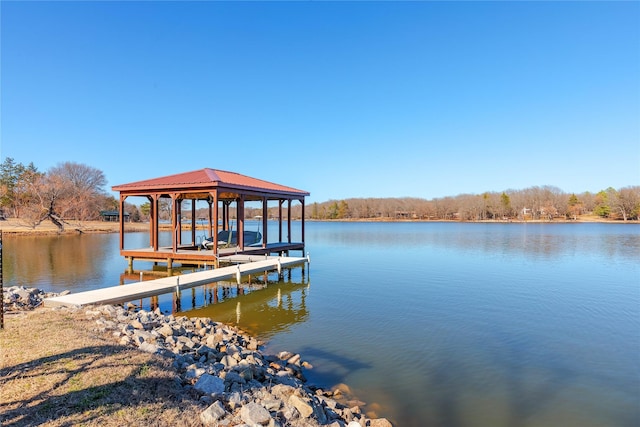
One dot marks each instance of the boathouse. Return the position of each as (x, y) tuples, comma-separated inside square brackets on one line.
[(113, 216), (218, 191)]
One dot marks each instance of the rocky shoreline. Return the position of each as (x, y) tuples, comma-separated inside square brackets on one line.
[(20, 298), (221, 367)]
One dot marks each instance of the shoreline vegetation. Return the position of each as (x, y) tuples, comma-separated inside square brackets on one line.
[(16, 227)]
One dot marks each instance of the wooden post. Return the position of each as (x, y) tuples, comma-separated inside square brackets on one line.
[(204, 295), (178, 295), (151, 216), (179, 220), (289, 221), (210, 203), (177, 306), (240, 223), (174, 223), (121, 219), (193, 221), (280, 202), (302, 219), (265, 212), (225, 215), (214, 231), (156, 221)]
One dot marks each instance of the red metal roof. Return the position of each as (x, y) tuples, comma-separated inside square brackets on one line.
[(208, 178)]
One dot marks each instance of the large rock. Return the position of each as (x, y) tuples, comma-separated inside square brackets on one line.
[(166, 330), (194, 372), (301, 405), (209, 384), (140, 336), (253, 413), (212, 414), (150, 348), (229, 361), (234, 377), (282, 391), (24, 294), (284, 355)]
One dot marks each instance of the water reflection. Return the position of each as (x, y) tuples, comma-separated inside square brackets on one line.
[(263, 305), (262, 310), (56, 262), (531, 239)]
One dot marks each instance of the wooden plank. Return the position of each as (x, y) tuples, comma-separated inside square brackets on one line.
[(165, 285)]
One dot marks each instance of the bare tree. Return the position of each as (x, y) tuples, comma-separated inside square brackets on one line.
[(627, 202), (84, 185), (587, 199), (165, 207), (518, 203), (48, 192), (69, 191)]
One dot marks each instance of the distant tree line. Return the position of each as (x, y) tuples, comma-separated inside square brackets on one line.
[(75, 192), (534, 203)]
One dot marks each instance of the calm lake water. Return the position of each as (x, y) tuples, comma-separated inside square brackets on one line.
[(431, 324)]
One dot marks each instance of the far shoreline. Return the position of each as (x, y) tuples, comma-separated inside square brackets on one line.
[(13, 227)]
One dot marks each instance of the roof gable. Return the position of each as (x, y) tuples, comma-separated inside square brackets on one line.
[(204, 178)]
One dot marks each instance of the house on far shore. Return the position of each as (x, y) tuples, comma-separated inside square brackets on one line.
[(113, 216)]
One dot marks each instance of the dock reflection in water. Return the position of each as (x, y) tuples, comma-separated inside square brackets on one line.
[(260, 309), (262, 305)]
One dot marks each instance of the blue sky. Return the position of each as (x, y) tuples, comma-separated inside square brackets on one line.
[(342, 99)]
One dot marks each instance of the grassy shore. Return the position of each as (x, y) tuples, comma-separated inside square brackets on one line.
[(15, 226), (56, 369)]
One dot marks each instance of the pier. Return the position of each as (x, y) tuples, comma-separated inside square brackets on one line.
[(244, 265)]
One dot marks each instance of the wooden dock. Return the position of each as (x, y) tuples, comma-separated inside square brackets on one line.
[(244, 265), (194, 254)]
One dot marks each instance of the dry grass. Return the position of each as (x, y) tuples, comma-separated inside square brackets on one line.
[(56, 371), (14, 226)]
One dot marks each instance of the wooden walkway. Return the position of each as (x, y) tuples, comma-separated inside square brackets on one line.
[(120, 294)]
